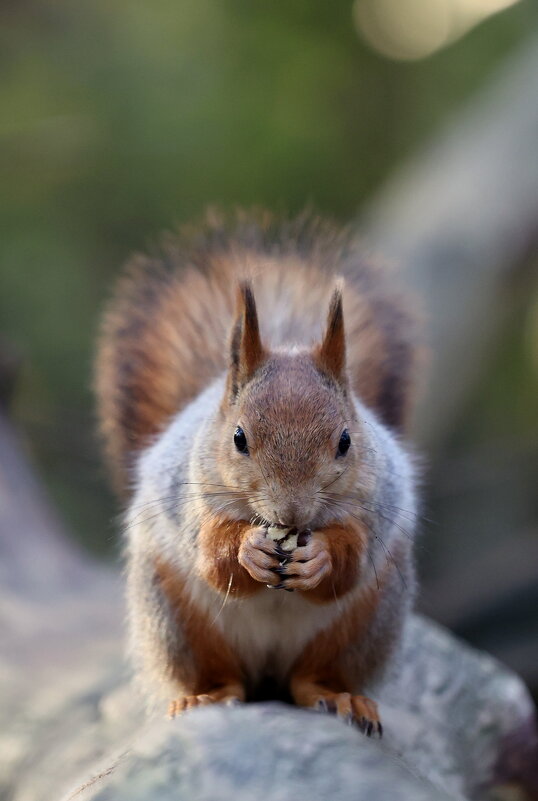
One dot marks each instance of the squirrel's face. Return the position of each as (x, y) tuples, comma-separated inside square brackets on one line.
[(290, 445), (290, 442)]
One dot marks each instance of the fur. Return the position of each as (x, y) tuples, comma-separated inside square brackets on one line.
[(273, 633), (229, 334)]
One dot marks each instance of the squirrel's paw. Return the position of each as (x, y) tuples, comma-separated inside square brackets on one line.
[(179, 705), (308, 566), (354, 709), (258, 554), (185, 702)]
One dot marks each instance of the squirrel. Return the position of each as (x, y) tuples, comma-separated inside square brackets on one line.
[(257, 374)]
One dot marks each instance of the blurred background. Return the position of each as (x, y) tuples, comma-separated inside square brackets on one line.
[(416, 118)]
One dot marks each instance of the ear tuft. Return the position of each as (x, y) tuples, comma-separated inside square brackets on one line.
[(331, 353), (246, 350)]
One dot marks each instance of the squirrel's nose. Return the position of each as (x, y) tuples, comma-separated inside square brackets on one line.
[(286, 514), (291, 515)]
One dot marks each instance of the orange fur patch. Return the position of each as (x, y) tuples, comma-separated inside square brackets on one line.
[(331, 353), (247, 353), (345, 543), (324, 668), (212, 664), (321, 664), (218, 542)]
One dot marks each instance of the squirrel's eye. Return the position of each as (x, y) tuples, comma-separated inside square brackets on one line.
[(240, 440), (343, 445)]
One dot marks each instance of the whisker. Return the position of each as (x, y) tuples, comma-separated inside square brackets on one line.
[(171, 498), (385, 548), (389, 555), (174, 503), (387, 551), (412, 516), (224, 601), (344, 471), (337, 602), (343, 504), (191, 496), (373, 565)]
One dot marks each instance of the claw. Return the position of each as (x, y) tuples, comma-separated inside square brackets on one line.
[(282, 554), (362, 723), (303, 537), (321, 706), (233, 702), (355, 710)]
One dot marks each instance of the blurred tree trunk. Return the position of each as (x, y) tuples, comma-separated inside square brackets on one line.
[(460, 219)]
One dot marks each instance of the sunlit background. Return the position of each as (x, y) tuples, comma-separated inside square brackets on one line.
[(120, 119), (414, 29)]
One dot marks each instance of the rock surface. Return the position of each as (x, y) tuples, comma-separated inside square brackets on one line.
[(259, 751), (448, 717)]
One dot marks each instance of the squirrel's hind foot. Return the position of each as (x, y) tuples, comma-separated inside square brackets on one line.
[(231, 696), (357, 710)]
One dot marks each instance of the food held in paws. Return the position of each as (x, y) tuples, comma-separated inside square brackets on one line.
[(289, 538)]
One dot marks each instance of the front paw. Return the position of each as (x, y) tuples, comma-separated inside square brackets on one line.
[(308, 566), (260, 557)]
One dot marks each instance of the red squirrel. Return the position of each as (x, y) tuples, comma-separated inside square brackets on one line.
[(256, 374)]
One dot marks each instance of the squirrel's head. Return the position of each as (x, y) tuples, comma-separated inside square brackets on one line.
[(289, 438)]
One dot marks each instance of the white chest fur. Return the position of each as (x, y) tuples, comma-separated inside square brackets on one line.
[(269, 630)]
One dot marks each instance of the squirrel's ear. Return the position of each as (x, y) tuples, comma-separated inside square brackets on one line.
[(331, 353), (246, 350)]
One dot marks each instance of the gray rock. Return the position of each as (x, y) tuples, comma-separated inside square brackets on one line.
[(264, 751), (448, 717)]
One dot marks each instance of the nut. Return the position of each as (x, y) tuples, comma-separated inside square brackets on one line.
[(289, 538)]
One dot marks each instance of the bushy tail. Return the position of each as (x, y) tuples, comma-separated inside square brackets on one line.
[(164, 334)]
